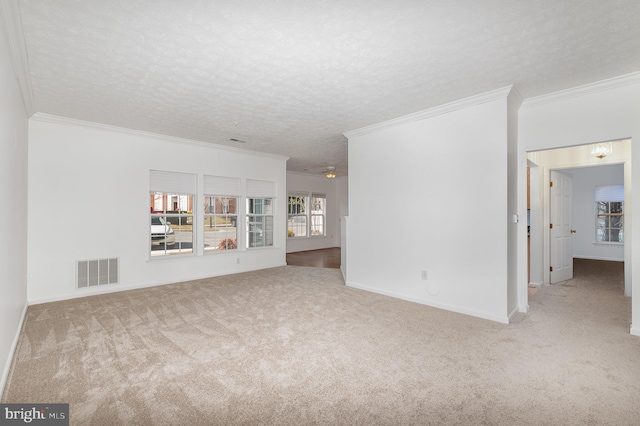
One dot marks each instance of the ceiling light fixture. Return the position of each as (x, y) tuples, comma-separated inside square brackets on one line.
[(601, 150), (331, 172)]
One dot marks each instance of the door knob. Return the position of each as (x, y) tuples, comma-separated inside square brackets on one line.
[(573, 231)]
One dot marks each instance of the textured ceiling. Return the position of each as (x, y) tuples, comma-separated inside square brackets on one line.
[(289, 77)]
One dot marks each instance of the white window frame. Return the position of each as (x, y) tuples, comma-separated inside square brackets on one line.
[(311, 216), (230, 219), (294, 216), (167, 187), (221, 188), (322, 215), (608, 194), (260, 223)]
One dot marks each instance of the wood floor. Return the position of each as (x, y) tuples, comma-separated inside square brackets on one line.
[(325, 258)]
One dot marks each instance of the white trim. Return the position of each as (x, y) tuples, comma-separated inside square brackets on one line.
[(517, 310), (634, 331), (12, 20), (514, 98), (55, 119), (116, 289), (561, 95), (432, 112), (12, 351), (452, 308)]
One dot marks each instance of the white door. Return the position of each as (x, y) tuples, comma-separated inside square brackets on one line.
[(561, 233)]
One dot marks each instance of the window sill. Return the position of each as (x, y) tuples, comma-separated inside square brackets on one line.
[(306, 237), (220, 252), (171, 256), (607, 243), (261, 248)]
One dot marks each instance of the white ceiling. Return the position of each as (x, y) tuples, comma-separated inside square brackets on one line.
[(289, 77)]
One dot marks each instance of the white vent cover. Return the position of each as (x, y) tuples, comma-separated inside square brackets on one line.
[(97, 272)]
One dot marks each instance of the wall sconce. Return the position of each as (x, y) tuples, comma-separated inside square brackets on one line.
[(601, 150)]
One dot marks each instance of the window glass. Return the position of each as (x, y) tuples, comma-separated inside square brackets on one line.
[(220, 223), (171, 224), (297, 217), (306, 215), (317, 215), (259, 222), (610, 213)]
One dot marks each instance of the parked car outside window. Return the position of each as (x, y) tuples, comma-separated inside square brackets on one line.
[(161, 232)]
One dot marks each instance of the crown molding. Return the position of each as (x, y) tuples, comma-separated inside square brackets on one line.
[(432, 112), (56, 119), (12, 20), (598, 86), (514, 98)]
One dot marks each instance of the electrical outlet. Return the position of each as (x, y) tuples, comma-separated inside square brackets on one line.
[(424, 275), (238, 260)]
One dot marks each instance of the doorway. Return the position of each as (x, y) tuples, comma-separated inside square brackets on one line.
[(576, 160)]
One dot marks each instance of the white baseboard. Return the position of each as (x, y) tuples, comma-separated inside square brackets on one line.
[(12, 351), (513, 313), (634, 331), (446, 307), (115, 288)]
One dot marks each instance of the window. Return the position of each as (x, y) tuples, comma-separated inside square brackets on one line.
[(171, 223), (259, 222), (171, 213), (610, 214), (220, 213), (260, 213), (220, 223), (318, 203), (306, 215), (297, 215)]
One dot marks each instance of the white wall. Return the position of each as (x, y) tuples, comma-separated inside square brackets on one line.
[(342, 188), (13, 221), (342, 195), (441, 206), (600, 112), (304, 182), (514, 101), (585, 179), (89, 195)]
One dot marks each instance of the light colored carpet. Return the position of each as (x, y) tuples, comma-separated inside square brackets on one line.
[(293, 345)]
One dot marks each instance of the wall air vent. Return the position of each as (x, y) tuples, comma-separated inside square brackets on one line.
[(96, 272)]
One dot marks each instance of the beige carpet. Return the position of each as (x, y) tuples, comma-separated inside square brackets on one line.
[(293, 345)]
